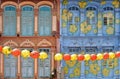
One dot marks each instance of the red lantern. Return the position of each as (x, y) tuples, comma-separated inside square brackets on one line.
[(34, 54), (93, 57), (117, 54), (0, 48), (15, 52), (105, 56), (80, 57), (66, 57)]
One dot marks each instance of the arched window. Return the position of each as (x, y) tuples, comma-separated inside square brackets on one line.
[(9, 21), (108, 21), (27, 21), (73, 16), (45, 21), (91, 20)]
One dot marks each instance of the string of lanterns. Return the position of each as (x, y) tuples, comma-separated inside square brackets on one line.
[(58, 57)]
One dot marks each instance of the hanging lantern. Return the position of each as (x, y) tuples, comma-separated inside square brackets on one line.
[(58, 57), (34, 54), (1, 48), (66, 57), (99, 56), (87, 57), (80, 57), (6, 50), (43, 55), (111, 55), (93, 57), (25, 53), (105, 56), (73, 57), (117, 54), (15, 52)]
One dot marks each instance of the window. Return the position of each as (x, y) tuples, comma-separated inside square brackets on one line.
[(9, 21), (27, 21), (108, 21), (44, 66), (27, 66), (91, 20), (10, 66), (73, 16), (74, 49), (91, 50), (45, 21), (107, 49)]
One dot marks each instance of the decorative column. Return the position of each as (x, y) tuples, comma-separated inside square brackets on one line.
[(117, 23), (18, 20), (54, 19), (35, 66), (19, 67), (83, 65), (36, 11), (99, 24), (1, 20), (99, 76), (2, 66), (82, 20)]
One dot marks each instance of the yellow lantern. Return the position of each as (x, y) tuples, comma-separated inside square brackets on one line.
[(73, 57), (99, 56), (43, 55), (111, 55), (87, 57), (6, 50), (58, 57), (25, 53)]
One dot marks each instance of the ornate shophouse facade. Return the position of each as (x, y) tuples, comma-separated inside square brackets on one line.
[(90, 27), (32, 25)]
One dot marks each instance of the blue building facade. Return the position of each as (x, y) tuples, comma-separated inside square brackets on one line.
[(90, 27)]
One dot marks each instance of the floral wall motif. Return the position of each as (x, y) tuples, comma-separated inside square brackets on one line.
[(90, 23)]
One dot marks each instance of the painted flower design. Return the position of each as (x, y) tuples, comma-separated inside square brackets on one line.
[(73, 28), (65, 70), (82, 4), (70, 63), (94, 68), (103, 2), (99, 24), (77, 71), (110, 30), (115, 4), (105, 71), (90, 14)]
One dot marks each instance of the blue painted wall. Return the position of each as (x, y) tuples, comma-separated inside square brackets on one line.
[(90, 26)]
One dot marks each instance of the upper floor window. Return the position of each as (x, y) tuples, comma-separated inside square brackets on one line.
[(9, 21), (27, 21), (108, 20), (45, 21), (91, 20), (73, 17)]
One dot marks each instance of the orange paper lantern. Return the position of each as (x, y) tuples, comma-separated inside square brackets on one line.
[(1, 48), (34, 54), (66, 57), (80, 57), (15, 52), (93, 57), (105, 56), (117, 54)]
